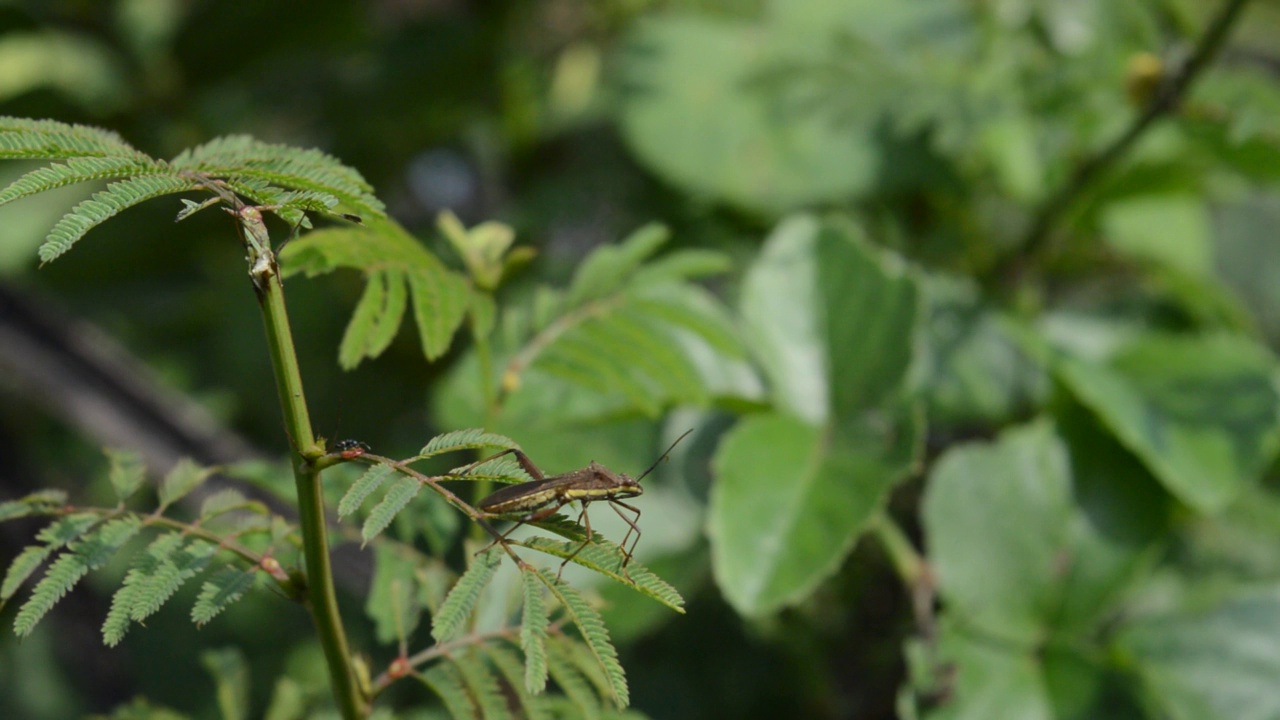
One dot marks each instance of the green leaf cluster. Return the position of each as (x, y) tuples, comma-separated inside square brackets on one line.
[(82, 539), (400, 273), (288, 181), (631, 329), (585, 667)]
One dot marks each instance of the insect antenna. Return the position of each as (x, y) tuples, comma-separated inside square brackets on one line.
[(664, 455)]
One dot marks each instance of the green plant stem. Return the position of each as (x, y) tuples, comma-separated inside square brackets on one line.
[(1166, 99), (322, 600), (912, 567)]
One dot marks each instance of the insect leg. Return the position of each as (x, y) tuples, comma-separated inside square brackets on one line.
[(633, 522), (585, 519), (534, 516)]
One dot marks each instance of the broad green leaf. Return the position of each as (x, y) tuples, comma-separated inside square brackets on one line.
[(393, 594), (86, 70), (1167, 230), (975, 372), (987, 681), (832, 319), (1201, 412), (697, 111), (790, 500), (1210, 664), (1066, 546), (1011, 501), (440, 301), (834, 323), (483, 249), (1245, 260)]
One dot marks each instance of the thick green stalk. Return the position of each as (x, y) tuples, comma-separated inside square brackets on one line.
[(321, 599)]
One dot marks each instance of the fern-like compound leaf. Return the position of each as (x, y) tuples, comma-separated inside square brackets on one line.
[(439, 296), (504, 469), (445, 681), (105, 204), (78, 170), (404, 490), (225, 587), (65, 529), (450, 620), (469, 439), (594, 633), (440, 301), (241, 156), (90, 552), (575, 686), (482, 685), (61, 576), (533, 632), (508, 664), (41, 502), (609, 267), (50, 139), (173, 570), (132, 593), (606, 558), (367, 483), (376, 319)]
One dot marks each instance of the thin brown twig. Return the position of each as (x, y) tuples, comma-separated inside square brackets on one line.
[(1166, 99)]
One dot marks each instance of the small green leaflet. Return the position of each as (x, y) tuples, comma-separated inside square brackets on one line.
[(127, 472), (457, 607)]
